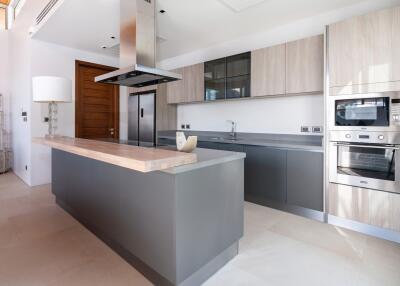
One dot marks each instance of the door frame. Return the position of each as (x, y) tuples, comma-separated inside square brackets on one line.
[(78, 112)]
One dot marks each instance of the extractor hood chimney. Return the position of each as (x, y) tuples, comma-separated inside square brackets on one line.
[(138, 48)]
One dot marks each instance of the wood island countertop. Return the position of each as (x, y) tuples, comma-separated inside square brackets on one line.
[(142, 159)]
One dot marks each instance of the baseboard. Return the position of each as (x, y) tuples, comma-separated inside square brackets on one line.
[(301, 211), (367, 229)]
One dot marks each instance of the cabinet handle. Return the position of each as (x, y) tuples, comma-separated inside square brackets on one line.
[(367, 146)]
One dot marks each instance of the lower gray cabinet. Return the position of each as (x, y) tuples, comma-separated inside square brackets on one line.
[(166, 141), (209, 145), (265, 174), (231, 147), (305, 179), (271, 175), (220, 146)]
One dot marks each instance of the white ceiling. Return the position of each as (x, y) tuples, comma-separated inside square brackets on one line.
[(187, 25), (86, 25)]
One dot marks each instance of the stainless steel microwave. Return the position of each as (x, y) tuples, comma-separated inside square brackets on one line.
[(366, 112)]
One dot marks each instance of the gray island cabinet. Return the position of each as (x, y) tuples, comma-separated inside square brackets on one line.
[(177, 226)]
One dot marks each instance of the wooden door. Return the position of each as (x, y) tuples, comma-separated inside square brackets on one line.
[(268, 71), (96, 104), (305, 65)]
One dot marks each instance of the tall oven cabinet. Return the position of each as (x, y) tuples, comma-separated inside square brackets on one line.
[(364, 53)]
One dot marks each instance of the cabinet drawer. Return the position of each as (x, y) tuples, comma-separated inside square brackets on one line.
[(372, 207)]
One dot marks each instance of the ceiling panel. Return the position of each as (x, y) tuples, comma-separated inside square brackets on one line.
[(240, 5), (187, 26)]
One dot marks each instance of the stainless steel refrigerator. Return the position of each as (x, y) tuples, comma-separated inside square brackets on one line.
[(141, 119)]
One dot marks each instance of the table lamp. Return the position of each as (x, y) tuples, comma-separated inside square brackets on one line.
[(53, 90)]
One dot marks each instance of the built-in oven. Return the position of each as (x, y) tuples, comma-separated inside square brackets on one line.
[(361, 159), (365, 112)]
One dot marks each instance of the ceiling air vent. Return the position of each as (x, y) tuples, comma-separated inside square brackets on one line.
[(45, 11)]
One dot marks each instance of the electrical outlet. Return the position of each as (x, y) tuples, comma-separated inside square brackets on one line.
[(187, 126), (46, 119), (317, 129), (183, 126), (305, 129)]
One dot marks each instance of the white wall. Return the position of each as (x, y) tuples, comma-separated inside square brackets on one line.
[(20, 56), (27, 58), (278, 115), (5, 85), (53, 60), (5, 74), (20, 90), (274, 115)]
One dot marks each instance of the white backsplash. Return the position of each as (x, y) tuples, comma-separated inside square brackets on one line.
[(283, 115)]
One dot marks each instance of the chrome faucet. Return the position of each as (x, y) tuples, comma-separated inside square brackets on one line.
[(232, 134)]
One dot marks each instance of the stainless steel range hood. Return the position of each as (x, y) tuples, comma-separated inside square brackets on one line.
[(138, 48)]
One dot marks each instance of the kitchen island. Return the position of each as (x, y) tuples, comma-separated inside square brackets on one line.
[(177, 223)]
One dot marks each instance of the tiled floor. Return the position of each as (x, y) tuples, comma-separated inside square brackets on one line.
[(41, 245)]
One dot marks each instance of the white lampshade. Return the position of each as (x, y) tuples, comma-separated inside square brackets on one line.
[(51, 89)]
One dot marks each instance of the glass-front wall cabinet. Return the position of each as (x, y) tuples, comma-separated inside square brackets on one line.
[(214, 76), (228, 77)]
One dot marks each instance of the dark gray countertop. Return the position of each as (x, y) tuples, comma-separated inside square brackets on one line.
[(285, 141)]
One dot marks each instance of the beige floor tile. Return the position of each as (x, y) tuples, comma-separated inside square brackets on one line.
[(328, 237), (41, 245)]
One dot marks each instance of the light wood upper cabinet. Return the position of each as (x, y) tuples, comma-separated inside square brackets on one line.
[(305, 65), (365, 49), (190, 88), (268, 71), (175, 89), (193, 83)]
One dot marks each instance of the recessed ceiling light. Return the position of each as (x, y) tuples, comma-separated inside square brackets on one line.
[(240, 5), (162, 11), (104, 47), (112, 37)]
